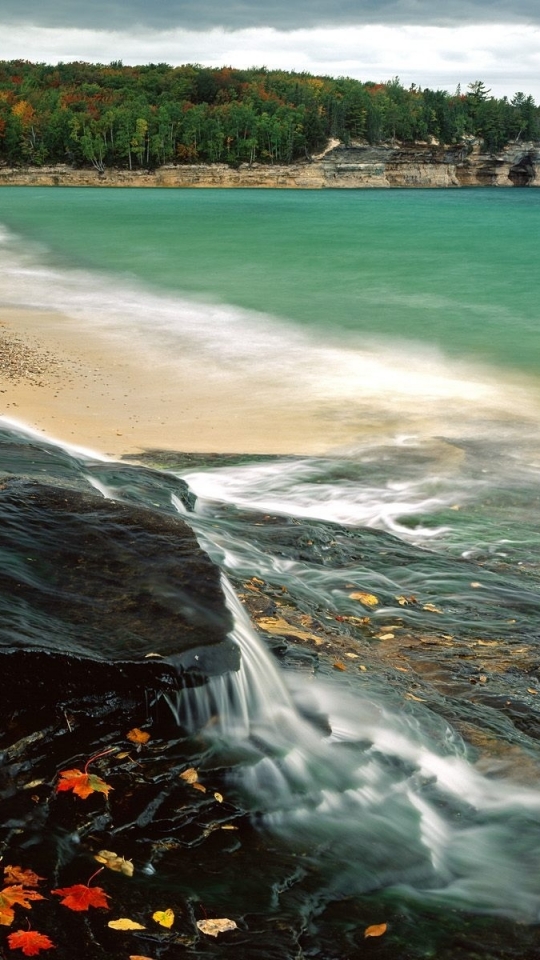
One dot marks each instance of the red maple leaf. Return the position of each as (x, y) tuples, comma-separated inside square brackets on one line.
[(81, 897), (17, 875), (82, 783), (29, 941), (11, 895)]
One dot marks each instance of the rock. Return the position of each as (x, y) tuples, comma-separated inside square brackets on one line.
[(358, 165), (91, 589)]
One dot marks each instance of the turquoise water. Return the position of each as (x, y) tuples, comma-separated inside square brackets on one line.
[(455, 270)]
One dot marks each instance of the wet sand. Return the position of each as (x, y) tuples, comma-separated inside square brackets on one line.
[(82, 388)]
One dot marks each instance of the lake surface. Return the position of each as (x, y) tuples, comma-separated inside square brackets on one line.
[(413, 317)]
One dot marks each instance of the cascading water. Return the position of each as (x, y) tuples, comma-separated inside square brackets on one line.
[(367, 795)]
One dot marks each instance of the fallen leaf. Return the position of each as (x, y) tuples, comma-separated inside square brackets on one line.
[(405, 601), (137, 956), (338, 665), (277, 625), (124, 923), (228, 826), (148, 655), (531, 690), (32, 784), (199, 786), (385, 636), (218, 797), (431, 608), (12, 895), (82, 784), (214, 927), (353, 656), (81, 897), (165, 918), (138, 736), (368, 599), (376, 930), (411, 696), (112, 861), (29, 941), (17, 875), (190, 775)]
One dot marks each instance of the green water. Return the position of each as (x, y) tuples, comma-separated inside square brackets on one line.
[(451, 269)]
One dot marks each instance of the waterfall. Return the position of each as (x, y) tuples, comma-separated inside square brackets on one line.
[(367, 795)]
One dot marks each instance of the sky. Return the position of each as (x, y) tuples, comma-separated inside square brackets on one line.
[(432, 43)]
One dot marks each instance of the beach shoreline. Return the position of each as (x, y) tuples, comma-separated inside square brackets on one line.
[(78, 386)]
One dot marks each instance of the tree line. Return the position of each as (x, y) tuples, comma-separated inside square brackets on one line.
[(145, 116)]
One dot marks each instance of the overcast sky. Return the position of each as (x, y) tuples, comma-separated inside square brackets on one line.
[(435, 43)]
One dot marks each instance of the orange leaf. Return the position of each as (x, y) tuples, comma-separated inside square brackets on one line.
[(81, 897), (339, 665), (190, 775), (83, 784), (138, 736), (29, 941), (368, 599), (17, 875), (9, 896), (376, 930)]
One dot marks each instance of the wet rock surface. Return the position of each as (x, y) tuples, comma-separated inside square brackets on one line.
[(101, 596)]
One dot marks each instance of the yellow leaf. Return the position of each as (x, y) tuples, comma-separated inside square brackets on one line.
[(431, 608), (368, 599), (165, 918), (214, 927), (199, 786), (112, 861), (376, 930), (125, 924), (218, 797), (190, 775), (411, 696), (405, 601), (531, 690), (228, 826), (138, 736), (137, 956), (385, 636)]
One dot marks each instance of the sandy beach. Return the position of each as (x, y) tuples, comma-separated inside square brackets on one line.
[(83, 388)]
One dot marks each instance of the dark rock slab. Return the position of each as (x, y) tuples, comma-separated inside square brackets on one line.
[(90, 587)]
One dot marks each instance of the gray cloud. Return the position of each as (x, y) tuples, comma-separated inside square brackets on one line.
[(280, 14)]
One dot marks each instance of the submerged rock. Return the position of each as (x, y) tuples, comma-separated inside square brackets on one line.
[(99, 597)]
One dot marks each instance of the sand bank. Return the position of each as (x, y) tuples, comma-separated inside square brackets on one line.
[(81, 387)]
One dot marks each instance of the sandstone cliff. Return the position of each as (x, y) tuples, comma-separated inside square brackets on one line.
[(357, 166)]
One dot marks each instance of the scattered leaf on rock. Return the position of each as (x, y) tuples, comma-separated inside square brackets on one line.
[(12, 895), (405, 601), (17, 875), (29, 941), (81, 897), (165, 918), (215, 927), (218, 797), (112, 861), (124, 923), (411, 696), (137, 956), (82, 784), (368, 599), (190, 775), (138, 736), (431, 608), (199, 786), (376, 930), (338, 665)]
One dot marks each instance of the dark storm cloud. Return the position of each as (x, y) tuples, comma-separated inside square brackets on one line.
[(238, 14)]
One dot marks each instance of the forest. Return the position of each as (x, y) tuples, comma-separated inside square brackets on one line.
[(145, 116)]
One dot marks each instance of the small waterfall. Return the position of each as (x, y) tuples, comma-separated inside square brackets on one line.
[(372, 800)]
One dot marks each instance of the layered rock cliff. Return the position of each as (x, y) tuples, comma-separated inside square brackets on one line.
[(357, 166)]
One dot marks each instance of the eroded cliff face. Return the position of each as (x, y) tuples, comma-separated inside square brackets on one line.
[(357, 166)]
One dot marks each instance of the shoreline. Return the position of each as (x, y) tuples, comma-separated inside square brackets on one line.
[(79, 388), (358, 166)]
